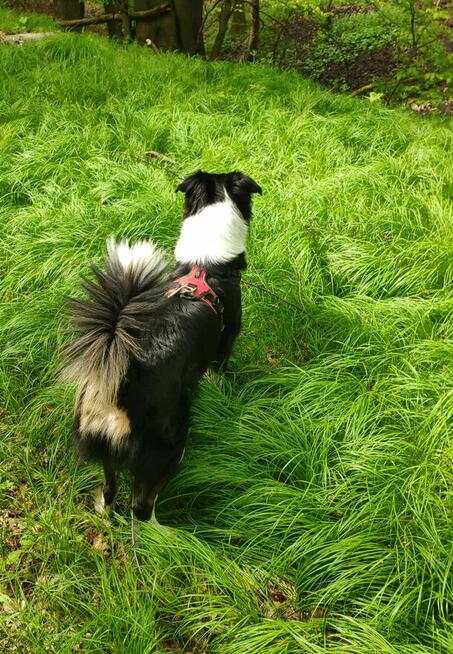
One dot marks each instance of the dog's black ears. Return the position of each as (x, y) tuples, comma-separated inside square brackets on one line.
[(248, 184), (189, 183), (243, 182)]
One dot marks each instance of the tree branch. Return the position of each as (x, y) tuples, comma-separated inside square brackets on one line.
[(148, 14)]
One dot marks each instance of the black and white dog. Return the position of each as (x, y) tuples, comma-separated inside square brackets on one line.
[(146, 335)]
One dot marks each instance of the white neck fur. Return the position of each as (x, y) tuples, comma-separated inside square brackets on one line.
[(216, 234)]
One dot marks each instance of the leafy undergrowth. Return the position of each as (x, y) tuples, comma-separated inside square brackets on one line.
[(12, 22), (313, 509), (402, 57)]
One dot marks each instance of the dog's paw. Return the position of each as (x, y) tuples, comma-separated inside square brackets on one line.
[(212, 375), (100, 507), (153, 520)]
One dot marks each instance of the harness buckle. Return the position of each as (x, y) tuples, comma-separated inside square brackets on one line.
[(189, 289)]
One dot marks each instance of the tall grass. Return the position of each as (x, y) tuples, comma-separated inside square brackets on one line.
[(313, 509)]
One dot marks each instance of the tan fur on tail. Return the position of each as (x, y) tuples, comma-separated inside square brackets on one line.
[(109, 327), (96, 416)]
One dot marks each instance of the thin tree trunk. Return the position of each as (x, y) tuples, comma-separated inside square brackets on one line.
[(113, 26), (126, 21), (412, 12), (69, 10), (238, 20), (252, 43), (224, 19), (328, 11)]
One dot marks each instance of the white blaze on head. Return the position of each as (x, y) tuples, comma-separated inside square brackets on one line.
[(216, 234)]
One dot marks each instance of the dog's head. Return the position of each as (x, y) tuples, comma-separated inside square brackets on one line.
[(202, 189)]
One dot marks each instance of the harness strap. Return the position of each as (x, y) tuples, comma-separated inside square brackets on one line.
[(194, 286)]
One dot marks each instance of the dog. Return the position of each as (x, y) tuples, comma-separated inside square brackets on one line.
[(146, 334)]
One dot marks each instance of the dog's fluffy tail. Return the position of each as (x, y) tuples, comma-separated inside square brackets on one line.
[(110, 323)]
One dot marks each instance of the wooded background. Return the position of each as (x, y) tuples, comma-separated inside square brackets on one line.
[(398, 50)]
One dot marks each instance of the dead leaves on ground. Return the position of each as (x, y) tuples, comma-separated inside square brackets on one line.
[(283, 602)]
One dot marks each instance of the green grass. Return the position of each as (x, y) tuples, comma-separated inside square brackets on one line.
[(313, 509), (12, 22)]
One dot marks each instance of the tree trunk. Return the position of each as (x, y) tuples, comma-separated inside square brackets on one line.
[(252, 43), (189, 19), (126, 21), (238, 21), (224, 18), (176, 30), (113, 26), (162, 31), (69, 10)]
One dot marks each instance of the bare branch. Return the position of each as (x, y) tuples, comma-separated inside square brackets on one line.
[(149, 14)]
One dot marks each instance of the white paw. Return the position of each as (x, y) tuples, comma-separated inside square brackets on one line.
[(212, 375), (100, 506), (153, 519)]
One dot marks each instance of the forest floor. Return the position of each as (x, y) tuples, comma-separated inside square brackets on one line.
[(312, 511)]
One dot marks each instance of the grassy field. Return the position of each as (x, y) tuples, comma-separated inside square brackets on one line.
[(313, 510)]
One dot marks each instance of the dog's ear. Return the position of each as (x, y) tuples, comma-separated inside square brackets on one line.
[(248, 184), (189, 183)]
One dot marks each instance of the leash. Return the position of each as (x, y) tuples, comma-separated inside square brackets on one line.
[(278, 297), (193, 286)]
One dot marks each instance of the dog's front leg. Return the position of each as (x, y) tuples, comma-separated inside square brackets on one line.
[(145, 496), (110, 486), (229, 336)]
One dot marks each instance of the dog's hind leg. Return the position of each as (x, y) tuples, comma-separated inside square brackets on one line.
[(105, 495), (110, 487)]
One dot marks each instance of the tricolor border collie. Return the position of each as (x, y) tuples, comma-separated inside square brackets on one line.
[(145, 335)]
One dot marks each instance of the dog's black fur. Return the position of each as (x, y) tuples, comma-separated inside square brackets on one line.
[(169, 342)]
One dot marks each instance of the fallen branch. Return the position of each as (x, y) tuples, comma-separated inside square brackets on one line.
[(147, 14), (150, 43), (362, 89), (17, 39)]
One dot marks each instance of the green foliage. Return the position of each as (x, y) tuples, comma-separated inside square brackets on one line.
[(347, 39), (12, 22), (424, 65), (398, 47), (281, 9), (313, 509)]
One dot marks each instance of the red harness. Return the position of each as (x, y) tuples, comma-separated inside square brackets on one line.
[(194, 286)]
